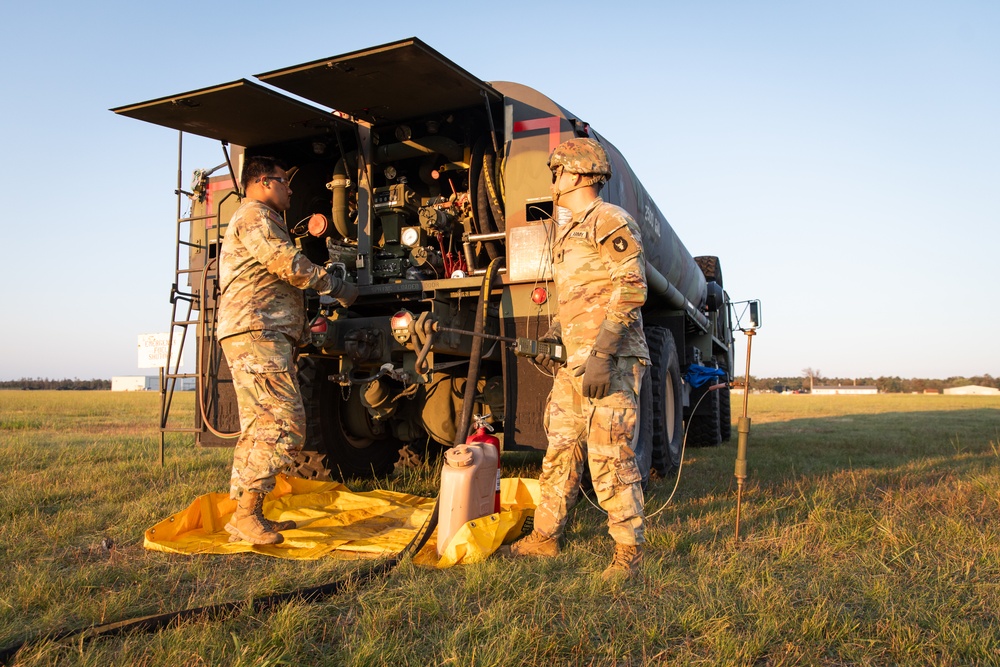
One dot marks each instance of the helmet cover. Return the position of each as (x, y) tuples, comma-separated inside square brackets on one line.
[(581, 156)]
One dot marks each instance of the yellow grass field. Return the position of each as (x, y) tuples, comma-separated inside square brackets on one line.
[(869, 525)]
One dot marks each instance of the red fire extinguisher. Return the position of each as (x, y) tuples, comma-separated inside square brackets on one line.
[(484, 436)]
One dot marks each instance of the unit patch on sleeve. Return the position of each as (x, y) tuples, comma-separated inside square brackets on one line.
[(621, 245)]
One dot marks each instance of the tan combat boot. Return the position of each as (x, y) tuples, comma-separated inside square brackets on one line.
[(248, 522), (536, 544), (273, 526), (625, 563)]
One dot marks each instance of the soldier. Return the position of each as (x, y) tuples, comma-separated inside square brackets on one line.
[(261, 320), (598, 267)]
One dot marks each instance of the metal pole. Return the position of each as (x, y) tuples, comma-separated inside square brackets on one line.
[(743, 429), (162, 399)]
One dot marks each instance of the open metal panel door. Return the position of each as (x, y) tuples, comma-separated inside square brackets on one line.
[(405, 79), (242, 113)]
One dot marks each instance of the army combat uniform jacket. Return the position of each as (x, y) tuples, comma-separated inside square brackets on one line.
[(599, 270), (262, 275)]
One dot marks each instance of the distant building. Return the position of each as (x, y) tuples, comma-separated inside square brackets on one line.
[(147, 383), (850, 389), (135, 383), (973, 390)]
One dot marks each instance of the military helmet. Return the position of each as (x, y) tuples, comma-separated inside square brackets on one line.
[(581, 156)]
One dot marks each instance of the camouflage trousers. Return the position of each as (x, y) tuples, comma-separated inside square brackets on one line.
[(603, 433), (272, 417)]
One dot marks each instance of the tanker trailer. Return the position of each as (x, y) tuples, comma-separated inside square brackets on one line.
[(428, 188)]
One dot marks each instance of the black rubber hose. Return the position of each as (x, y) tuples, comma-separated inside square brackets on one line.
[(475, 169), (484, 219), (476, 354), (219, 610), (363, 575), (495, 201)]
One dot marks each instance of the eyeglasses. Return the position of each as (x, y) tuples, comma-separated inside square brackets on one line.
[(280, 179)]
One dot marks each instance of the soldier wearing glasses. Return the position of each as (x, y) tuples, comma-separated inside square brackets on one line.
[(261, 321)]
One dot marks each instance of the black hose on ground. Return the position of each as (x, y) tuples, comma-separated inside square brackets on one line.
[(212, 611), (363, 575)]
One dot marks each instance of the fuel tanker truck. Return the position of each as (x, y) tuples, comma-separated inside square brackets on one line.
[(429, 190)]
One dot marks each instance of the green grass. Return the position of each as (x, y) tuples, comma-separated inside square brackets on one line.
[(869, 525)]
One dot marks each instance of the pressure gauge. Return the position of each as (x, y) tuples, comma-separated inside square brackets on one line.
[(389, 173), (410, 236)]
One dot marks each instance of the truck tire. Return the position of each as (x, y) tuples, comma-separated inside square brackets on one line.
[(725, 415), (310, 464), (348, 451), (644, 443), (311, 461), (353, 452), (703, 422), (725, 409), (667, 401), (711, 268)]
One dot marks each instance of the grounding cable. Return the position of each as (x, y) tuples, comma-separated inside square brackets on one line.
[(680, 465)]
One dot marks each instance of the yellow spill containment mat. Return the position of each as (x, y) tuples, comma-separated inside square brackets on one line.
[(333, 521)]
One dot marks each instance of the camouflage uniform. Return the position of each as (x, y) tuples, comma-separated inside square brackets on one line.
[(599, 273), (262, 275), (272, 417), (261, 319)]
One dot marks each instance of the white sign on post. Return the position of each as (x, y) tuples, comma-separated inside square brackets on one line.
[(153, 351)]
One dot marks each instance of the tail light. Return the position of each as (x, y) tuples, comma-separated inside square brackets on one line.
[(400, 324)]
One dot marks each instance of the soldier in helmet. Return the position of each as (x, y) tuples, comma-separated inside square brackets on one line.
[(261, 321), (598, 266)]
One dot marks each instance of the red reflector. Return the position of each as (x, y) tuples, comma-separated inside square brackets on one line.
[(401, 320), (539, 295), (318, 325)]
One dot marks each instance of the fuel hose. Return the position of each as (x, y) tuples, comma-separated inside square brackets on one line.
[(476, 354), (363, 576)]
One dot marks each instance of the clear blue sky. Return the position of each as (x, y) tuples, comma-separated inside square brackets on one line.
[(842, 159)]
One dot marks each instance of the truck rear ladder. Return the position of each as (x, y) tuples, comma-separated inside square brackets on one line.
[(181, 318)]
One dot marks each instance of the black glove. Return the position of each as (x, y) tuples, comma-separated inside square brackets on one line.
[(553, 335), (344, 292), (601, 363)]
